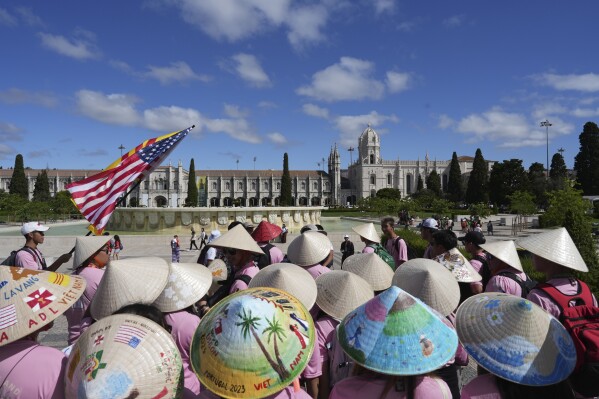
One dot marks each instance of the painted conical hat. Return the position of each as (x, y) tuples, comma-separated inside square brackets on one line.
[(266, 231), (426, 280), (237, 238), (371, 268), (252, 343), (455, 262), (340, 292), (289, 278), (32, 299), (368, 231), (187, 284), (124, 356), (86, 247), (129, 281), (219, 271), (309, 248), (557, 246), (515, 339), (395, 333), (505, 251)]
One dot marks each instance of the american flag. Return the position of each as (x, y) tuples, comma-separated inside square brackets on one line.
[(97, 196), (8, 316), (130, 335)]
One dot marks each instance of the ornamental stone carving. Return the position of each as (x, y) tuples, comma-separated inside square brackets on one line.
[(257, 217), (205, 220), (186, 218), (223, 218), (285, 217), (272, 218), (297, 217)]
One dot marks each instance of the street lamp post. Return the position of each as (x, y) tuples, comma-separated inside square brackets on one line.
[(546, 125)]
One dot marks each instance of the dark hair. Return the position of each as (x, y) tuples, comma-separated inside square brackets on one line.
[(387, 221), (446, 238), (511, 390), (117, 238), (148, 311)]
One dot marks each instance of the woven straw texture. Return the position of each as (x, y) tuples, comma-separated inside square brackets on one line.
[(340, 292), (557, 246), (187, 284), (237, 238), (371, 268), (368, 231), (289, 278), (505, 251), (309, 248), (86, 247)]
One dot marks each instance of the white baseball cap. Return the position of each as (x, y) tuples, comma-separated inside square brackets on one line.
[(430, 223), (346, 236), (30, 227)]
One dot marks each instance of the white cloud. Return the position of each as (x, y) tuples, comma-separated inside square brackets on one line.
[(115, 109), (585, 112), (177, 72), (305, 25), (249, 69), (19, 96), (170, 119), (29, 17), (267, 104), (10, 132), (397, 81), (316, 111), (454, 21), (277, 138), (7, 19), (351, 126), (6, 152), (547, 110), (588, 82), (350, 79), (237, 128), (384, 6), (80, 49), (407, 26), (234, 111), (445, 121)]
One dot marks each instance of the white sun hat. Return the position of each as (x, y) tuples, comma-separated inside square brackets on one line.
[(237, 238), (368, 231), (86, 247), (340, 292), (309, 248), (505, 251), (127, 282), (187, 284), (556, 246), (371, 268), (456, 263), (289, 278), (428, 281)]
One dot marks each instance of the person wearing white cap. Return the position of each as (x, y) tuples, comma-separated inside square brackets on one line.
[(427, 228), (31, 257), (347, 248), (212, 252)]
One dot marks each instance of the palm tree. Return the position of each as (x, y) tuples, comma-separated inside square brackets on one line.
[(248, 324), (275, 331)]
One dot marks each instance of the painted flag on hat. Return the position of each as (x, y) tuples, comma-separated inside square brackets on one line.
[(39, 299), (129, 335), (8, 316), (96, 197)]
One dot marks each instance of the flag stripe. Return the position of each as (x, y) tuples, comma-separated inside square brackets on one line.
[(8, 316)]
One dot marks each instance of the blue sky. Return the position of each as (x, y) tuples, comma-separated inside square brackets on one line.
[(262, 77)]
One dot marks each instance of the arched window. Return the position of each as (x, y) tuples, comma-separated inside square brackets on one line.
[(326, 185), (371, 158), (278, 186), (240, 186), (389, 179), (315, 185), (214, 185), (409, 184), (373, 193), (253, 185), (266, 185), (303, 186), (227, 186), (372, 179)]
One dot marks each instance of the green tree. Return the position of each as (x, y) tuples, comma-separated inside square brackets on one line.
[(18, 182), (506, 178), (454, 183), (61, 204), (192, 188), (586, 162), (41, 190), (538, 184), (433, 182), (440, 206), (579, 227), (562, 201), (424, 198), (420, 184), (11, 204), (477, 183), (389, 193), (480, 209), (558, 172), (286, 199), (522, 203)]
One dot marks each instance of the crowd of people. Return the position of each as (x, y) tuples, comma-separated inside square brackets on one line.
[(249, 320)]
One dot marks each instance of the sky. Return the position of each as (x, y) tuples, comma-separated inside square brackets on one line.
[(259, 78)]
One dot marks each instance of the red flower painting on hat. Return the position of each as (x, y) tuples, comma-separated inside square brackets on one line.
[(39, 299)]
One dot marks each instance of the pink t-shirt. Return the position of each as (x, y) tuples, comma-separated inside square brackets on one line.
[(368, 250), (250, 269), (28, 260), (314, 367), (481, 387), (325, 332), (75, 313), (317, 270), (398, 249), (30, 370), (477, 265), (372, 386), (505, 284), (428, 252), (286, 393), (276, 255), (565, 285), (183, 325)]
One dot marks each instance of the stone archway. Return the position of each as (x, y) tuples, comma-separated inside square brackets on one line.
[(315, 201), (228, 201), (303, 201), (160, 201), (214, 201), (253, 201)]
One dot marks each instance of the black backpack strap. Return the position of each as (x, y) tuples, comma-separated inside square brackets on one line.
[(244, 277), (35, 255)]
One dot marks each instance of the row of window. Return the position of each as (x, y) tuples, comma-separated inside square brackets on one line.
[(266, 185)]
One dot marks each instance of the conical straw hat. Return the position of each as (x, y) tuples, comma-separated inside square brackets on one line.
[(129, 281), (266, 231), (86, 247), (368, 231), (515, 339), (219, 271), (340, 292), (505, 251), (371, 268), (455, 262), (428, 281), (124, 356), (187, 284), (289, 278), (395, 333), (237, 238), (254, 342), (309, 248), (32, 299), (556, 246)]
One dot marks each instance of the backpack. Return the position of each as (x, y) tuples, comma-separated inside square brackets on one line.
[(484, 271), (263, 260), (384, 255), (12, 258), (525, 286), (409, 249), (224, 289), (582, 323)]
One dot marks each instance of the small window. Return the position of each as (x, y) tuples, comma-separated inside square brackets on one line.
[(372, 179), (253, 185), (315, 186), (303, 185), (240, 186), (389, 179), (214, 185), (371, 158), (278, 186), (227, 186), (326, 185), (266, 185)]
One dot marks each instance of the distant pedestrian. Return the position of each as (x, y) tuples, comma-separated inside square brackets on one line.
[(117, 246), (490, 228), (193, 239), (284, 232), (347, 248), (202, 238), (175, 249)]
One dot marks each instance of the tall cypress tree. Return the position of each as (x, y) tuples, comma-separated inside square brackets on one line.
[(41, 191), (454, 181), (477, 183), (192, 188), (433, 182), (420, 184), (558, 171), (286, 199), (586, 163), (18, 182)]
